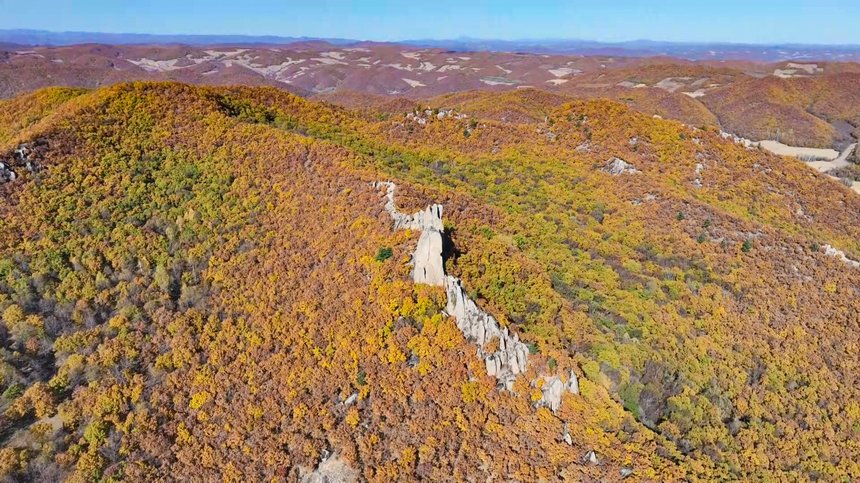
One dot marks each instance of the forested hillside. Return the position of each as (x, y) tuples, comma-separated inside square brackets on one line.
[(814, 111), (202, 283)]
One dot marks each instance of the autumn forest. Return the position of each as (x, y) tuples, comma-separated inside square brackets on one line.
[(203, 283)]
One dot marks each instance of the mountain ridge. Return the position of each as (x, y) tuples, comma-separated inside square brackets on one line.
[(771, 52)]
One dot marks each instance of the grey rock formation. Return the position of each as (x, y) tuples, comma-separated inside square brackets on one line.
[(428, 267), (510, 358), (591, 458), (6, 173), (333, 469), (572, 385), (617, 166), (553, 388), (833, 252), (479, 327), (22, 159), (697, 183)]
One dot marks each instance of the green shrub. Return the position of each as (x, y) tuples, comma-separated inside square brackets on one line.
[(13, 391), (384, 254)]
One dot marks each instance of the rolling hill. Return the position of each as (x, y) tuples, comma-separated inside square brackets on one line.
[(799, 103)]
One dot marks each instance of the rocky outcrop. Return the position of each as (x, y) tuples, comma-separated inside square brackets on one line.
[(617, 166), (833, 252), (510, 358), (505, 357), (698, 181), (572, 385), (480, 328), (23, 158), (553, 388), (427, 264), (332, 469), (7, 174), (565, 435)]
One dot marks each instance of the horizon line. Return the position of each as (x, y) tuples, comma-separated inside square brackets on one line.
[(461, 38)]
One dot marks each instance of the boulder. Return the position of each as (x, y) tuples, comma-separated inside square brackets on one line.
[(332, 468), (552, 390), (572, 385), (617, 166), (591, 458)]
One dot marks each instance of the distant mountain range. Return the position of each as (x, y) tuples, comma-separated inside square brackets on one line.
[(650, 48), (636, 48), (44, 37)]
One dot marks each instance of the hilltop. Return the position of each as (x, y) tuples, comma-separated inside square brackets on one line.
[(207, 283)]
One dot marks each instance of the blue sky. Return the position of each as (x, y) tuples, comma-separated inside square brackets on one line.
[(757, 21)]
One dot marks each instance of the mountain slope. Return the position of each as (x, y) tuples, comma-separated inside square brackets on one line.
[(807, 111), (196, 281), (199, 296)]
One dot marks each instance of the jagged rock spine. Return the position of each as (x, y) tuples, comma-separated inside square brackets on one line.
[(510, 358)]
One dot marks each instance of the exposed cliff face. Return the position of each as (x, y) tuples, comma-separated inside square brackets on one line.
[(427, 261)]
